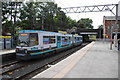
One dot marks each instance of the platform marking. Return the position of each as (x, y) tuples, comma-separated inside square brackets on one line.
[(2, 52), (66, 69)]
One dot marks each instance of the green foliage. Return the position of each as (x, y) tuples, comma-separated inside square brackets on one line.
[(9, 16), (100, 27), (85, 23), (38, 15)]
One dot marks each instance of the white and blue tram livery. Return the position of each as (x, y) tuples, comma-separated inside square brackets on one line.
[(34, 43)]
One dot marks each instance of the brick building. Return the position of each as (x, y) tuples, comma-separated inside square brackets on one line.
[(110, 27)]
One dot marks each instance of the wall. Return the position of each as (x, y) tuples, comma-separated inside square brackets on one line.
[(108, 24)]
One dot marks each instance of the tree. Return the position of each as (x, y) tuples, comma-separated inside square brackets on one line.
[(9, 16), (27, 16), (41, 16), (85, 23), (100, 27)]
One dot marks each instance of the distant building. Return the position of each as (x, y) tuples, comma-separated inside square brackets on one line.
[(110, 27)]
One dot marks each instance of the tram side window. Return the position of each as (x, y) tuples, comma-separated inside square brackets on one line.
[(69, 38), (75, 38), (33, 39), (52, 39), (48, 39), (78, 39), (64, 40)]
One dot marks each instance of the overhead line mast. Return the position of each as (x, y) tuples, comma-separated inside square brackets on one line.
[(93, 8)]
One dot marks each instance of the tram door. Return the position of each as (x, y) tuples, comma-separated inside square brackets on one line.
[(69, 41), (58, 42)]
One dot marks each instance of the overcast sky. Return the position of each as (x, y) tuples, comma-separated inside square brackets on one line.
[(97, 17)]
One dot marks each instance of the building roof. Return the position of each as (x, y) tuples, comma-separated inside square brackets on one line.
[(111, 18)]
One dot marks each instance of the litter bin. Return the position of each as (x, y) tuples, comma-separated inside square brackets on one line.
[(118, 44), (1, 43), (8, 43)]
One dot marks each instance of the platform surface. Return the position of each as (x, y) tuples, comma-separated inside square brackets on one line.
[(2, 52), (95, 60)]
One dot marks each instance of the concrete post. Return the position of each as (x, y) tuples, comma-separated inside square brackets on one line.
[(116, 22), (1, 34), (119, 8), (104, 29), (0, 18)]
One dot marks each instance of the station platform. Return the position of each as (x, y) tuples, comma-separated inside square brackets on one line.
[(2, 52), (95, 60)]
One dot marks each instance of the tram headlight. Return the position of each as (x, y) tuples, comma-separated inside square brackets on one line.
[(17, 49), (25, 50)]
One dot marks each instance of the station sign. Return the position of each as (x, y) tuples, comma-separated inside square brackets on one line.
[(5, 36), (62, 32), (23, 34), (76, 34)]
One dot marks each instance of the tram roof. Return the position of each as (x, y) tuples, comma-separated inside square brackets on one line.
[(44, 32), (39, 31), (36, 31)]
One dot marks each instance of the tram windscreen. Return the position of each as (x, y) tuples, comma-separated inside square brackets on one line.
[(28, 39), (23, 39)]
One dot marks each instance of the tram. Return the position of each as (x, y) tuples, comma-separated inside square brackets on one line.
[(35, 43)]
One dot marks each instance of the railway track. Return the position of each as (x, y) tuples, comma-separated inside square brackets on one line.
[(22, 70), (8, 64)]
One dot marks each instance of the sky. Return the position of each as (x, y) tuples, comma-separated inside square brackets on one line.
[(97, 17)]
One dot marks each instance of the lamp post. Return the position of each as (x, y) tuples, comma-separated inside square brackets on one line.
[(116, 27)]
